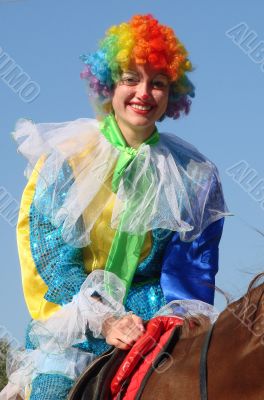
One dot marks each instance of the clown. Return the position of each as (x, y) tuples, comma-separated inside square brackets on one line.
[(117, 219)]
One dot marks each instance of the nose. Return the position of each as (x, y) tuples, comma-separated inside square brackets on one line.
[(144, 91), (145, 96)]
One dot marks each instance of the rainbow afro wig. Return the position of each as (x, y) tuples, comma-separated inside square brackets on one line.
[(142, 40)]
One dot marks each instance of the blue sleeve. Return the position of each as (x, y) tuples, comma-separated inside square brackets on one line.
[(59, 265), (189, 268)]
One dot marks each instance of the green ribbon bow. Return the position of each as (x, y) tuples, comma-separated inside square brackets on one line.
[(126, 248)]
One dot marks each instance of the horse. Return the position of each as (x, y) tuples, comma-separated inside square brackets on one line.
[(223, 361)]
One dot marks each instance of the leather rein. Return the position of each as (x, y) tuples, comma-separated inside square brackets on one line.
[(203, 364)]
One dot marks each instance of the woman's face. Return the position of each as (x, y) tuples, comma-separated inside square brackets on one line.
[(140, 97)]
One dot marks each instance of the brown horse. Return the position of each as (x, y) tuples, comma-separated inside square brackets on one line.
[(234, 358)]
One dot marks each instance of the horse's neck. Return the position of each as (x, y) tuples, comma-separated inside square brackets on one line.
[(236, 354)]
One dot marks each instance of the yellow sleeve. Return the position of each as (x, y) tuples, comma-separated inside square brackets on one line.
[(34, 287)]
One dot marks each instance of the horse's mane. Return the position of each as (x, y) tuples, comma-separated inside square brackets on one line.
[(195, 325), (249, 305), (255, 283)]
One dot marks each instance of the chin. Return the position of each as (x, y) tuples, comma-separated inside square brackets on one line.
[(141, 121)]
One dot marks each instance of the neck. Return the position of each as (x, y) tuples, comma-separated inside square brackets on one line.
[(135, 136)]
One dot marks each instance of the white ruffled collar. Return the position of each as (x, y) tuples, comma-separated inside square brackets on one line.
[(183, 194)]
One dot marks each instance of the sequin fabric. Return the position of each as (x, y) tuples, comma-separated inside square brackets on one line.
[(92, 345), (59, 264), (145, 300), (150, 267), (51, 387)]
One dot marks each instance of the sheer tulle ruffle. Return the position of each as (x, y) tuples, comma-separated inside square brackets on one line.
[(182, 189), (25, 365)]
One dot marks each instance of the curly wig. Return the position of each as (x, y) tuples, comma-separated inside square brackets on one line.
[(142, 40)]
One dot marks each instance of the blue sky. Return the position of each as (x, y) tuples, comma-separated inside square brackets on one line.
[(45, 39)]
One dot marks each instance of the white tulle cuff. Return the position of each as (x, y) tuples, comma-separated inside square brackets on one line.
[(187, 308), (100, 297)]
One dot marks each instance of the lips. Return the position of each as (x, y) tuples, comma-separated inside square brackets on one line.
[(141, 108)]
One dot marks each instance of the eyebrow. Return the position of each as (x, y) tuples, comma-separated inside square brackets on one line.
[(159, 74), (130, 72)]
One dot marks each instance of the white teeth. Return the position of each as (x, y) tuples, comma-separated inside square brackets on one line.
[(140, 107)]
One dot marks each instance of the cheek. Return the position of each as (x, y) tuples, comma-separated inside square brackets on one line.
[(162, 101), (115, 98), (121, 96)]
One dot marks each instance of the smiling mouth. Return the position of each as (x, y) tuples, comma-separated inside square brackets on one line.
[(141, 109), (138, 107)]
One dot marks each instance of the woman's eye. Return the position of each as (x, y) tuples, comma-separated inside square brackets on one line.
[(129, 80), (159, 84)]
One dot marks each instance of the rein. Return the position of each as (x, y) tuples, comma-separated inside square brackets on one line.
[(203, 364), (100, 372)]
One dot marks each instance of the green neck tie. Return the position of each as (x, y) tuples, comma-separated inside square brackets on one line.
[(126, 248), (112, 133)]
